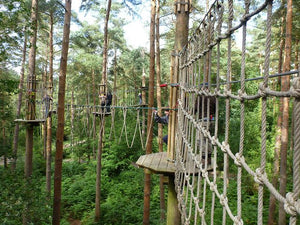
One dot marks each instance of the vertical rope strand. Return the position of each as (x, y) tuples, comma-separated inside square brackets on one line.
[(242, 114), (227, 116)]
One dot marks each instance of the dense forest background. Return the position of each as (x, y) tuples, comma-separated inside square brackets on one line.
[(122, 182)]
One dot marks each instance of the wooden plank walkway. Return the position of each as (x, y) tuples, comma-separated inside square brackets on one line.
[(157, 163), (32, 122)]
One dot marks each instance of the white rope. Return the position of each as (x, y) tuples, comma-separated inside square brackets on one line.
[(140, 132), (151, 124), (136, 126), (112, 125), (124, 127)]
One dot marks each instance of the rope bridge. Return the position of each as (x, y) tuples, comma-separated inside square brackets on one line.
[(206, 106)]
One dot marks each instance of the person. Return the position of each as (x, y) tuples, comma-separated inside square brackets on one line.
[(106, 101), (140, 99), (47, 100), (164, 120)]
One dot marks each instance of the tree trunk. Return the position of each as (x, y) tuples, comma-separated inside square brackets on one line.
[(31, 90), (144, 102), (94, 117), (272, 202), (160, 126), (72, 120), (181, 39), (44, 93), (30, 105), (19, 104), (49, 118), (285, 85), (61, 115), (182, 10), (114, 99), (147, 185), (102, 118)]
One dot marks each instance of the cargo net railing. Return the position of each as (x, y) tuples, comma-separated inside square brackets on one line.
[(227, 161)]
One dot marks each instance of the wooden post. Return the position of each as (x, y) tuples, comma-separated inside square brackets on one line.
[(31, 92), (49, 118), (61, 116), (102, 116), (173, 214), (94, 109), (181, 39), (171, 140), (144, 101)]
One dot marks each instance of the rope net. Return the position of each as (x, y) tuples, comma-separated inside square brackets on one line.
[(215, 108)]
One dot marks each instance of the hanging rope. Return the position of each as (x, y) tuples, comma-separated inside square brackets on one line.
[(124, 110), (140, 130), (112, 126), (136, 127)]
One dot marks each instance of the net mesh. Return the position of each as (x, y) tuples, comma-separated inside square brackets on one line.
[(217, 180)]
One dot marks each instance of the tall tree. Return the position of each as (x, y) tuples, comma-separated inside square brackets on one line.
[(159, 106), (61, 115), (182, 10), (285, 85), (30, 102), (49, 116), (31, 90), (147, 185), (102, 121), (19, 104)]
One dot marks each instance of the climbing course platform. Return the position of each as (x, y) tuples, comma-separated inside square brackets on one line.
[(32, 122), (161, 164), (157, 163)]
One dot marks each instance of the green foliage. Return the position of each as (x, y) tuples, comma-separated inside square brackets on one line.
[(13, 17), (8, 87), (78, 189), (16, 193)]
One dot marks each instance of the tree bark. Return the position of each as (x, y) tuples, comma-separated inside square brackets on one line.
[(144, 102), (147, 185), (30, 105), (31, 91), (285, 85), (49, 118), (61, 115), (19, 104), (159, 105), (94, 117), (181, 39), (102, 118)]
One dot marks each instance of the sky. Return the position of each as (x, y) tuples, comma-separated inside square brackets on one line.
[(136, 34)]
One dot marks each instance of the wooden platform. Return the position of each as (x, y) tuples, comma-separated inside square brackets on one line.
[(157, 163), (32, 122), (160, 164)]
